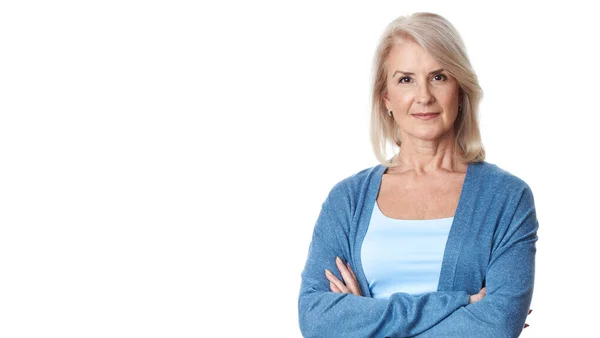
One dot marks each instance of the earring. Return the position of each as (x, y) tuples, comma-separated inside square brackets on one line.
[(390, 113)]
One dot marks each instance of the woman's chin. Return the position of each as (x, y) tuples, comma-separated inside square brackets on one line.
[(433, 136)]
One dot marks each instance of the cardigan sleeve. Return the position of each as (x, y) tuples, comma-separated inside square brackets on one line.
[(327, 314), (509, 283)]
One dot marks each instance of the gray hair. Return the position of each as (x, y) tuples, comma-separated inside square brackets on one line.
[(441, 40)]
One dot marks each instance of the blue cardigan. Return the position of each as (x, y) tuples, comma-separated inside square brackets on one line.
[(491, 243)]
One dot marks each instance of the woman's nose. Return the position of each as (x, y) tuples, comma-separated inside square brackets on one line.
[(424, 95)]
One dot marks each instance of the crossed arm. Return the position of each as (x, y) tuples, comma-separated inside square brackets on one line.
[(323, 313), (350, 283), (329, 307)]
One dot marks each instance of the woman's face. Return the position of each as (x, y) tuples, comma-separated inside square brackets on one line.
[(423, 97)]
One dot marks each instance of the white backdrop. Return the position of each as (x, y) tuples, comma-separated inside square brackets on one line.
[(162, 163)]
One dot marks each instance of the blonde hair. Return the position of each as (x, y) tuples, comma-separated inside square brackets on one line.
[(440, 39)]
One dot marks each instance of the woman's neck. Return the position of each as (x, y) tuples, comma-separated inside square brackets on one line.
[(422, 157)]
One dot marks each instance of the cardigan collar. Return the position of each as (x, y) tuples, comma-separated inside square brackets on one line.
[(460, 223)]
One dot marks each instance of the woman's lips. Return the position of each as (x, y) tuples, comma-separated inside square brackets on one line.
[(426, 116)]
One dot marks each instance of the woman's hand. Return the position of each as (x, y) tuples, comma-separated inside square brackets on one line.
[(350, 283), (477, 297)]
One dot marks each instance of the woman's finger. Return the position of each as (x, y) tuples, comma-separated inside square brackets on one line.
[(359, 293), (333, 279), (334, 288), (477, 297), (351, 271), (349, 280)]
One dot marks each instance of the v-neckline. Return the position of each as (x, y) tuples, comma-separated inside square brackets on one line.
[(453, 243)]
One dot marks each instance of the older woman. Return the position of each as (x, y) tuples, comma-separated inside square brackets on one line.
[(435, 242)]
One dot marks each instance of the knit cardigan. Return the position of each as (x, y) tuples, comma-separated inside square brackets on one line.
[(492, 243)]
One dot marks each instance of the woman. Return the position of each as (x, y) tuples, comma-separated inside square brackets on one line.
[(435, 242)]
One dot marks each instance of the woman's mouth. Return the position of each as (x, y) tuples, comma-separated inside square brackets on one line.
[(426, 116)]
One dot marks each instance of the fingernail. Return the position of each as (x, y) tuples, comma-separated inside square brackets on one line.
[(339, 260), (328, 273), (529, 311), (526, 325)]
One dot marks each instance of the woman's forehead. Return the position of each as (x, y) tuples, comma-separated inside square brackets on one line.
[(410, 57)]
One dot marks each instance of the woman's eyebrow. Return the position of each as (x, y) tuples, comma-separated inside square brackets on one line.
[(409, 73)]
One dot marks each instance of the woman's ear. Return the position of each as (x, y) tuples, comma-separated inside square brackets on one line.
[(386, 100)]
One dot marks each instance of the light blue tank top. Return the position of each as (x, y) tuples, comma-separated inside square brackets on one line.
[(403, 255)]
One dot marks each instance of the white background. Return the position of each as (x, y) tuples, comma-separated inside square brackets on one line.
[(162, 163)]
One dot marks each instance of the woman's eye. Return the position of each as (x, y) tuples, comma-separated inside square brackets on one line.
[(440, 77), (405, 79)]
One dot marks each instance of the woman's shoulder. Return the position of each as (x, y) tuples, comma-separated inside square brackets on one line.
[(360, 178), (495, 175), (357, 182)]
